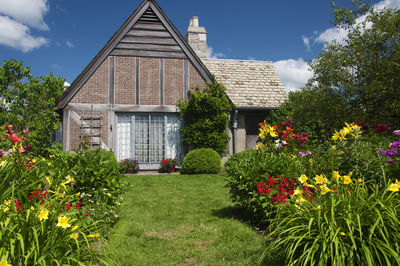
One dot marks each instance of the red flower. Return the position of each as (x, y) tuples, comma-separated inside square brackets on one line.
[(381, 128), (9, 129), (78, 205), (302, 138), (87, 214), (14, 138), (18, 205)]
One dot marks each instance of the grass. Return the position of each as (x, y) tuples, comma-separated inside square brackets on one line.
[(181, 220)]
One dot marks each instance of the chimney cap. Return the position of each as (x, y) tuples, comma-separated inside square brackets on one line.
[(194, 26)]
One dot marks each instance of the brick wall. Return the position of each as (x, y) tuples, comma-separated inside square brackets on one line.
[(124, 80), (149, 78), (95, 90), (195, 79), (173, 81)]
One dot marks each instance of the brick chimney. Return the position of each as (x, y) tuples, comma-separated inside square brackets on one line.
[(197, 37)]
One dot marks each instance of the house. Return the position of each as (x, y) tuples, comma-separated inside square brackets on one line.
[(125, 99)]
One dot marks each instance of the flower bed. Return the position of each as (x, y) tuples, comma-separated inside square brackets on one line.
[(334, 203), (52, 209)]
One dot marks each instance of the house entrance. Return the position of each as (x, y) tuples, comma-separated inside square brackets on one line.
[(148, 138)]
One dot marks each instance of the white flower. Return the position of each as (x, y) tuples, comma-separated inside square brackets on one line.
[(278, 143)]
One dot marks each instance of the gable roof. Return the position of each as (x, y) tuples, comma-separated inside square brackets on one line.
[(250, 84), (126, 42)]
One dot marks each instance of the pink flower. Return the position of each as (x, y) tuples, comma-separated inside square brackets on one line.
[(397, 132)]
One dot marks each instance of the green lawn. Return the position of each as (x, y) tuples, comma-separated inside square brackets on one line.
[(181, 220)]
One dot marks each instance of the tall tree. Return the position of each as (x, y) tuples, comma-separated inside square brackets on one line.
[(357, 78), (28, 101)]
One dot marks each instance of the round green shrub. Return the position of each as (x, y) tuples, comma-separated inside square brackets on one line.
[(201, 161)]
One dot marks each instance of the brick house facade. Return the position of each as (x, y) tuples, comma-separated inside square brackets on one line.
[(125, 99)]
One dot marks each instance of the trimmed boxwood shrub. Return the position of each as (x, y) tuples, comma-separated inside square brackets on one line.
[(201, 161)]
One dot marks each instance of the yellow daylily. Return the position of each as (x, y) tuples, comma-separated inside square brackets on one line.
[(93, 235), (394, 187), (74, 228), (297, 192), (301, 200), (308, 185), (48, 164), (324, 189), (335, 175), (69, 180), (63, 222), (359, 180), (6, 205), (334, 147), (347, 178), (74, 236), (4, 263), (336, 136), (319, 179), (303, 178), (43, 215)]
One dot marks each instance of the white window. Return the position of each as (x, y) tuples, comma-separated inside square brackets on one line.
[(148, 138)]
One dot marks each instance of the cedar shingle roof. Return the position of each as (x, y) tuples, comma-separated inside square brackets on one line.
[(250, 84)]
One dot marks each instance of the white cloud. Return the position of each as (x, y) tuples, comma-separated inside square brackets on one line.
[(387, 4), (29, 12), (211, 55), (293, 73), (340, 34), (17, 35), (69, 44), (332, 34), (66, 84), (306, 42)]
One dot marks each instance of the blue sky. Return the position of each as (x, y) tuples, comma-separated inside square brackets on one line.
[(62, 36)]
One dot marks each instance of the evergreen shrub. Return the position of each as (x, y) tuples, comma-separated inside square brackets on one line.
[(201, 161)]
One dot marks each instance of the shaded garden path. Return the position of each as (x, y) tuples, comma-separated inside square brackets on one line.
[(181, 220)]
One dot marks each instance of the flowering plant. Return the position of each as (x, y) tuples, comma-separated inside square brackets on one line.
[(130, 165), (168, 163), (276, 137), (278, 189), (50, 208), (345, 212)]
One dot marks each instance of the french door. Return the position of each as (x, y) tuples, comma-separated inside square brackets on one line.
[(148, 138)]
